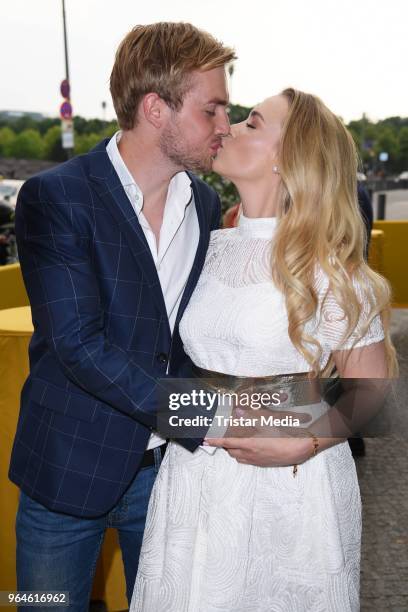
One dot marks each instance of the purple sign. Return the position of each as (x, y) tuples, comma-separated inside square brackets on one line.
[(66, 110), (65, 88)]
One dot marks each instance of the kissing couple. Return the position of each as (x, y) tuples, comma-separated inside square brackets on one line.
[(131, 281)]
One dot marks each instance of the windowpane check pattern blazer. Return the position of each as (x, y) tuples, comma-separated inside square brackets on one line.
[(101, 334)]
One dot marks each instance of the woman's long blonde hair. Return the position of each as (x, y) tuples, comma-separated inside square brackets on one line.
[(321, 224)]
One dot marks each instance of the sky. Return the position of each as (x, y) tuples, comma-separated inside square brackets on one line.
[(351, 53)]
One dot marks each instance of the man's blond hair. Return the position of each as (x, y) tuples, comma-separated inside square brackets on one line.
[(160, 58)]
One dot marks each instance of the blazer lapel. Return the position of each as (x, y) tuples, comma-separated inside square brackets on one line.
[(109, 188), (203, 213)]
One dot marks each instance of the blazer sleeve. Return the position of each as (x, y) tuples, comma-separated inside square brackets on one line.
[(61, 283)]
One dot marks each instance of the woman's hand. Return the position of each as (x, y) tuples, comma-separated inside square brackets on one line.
[(255, 448), (266, 452)]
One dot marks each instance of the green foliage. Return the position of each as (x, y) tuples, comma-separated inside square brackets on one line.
[(27, 145), (225, 189), (24, 123), (238, 113), (387, 141), (7, 137), (80, 125), (94, 126), (390, 135), (403, 148), (86, 142), (46, 124), (110, 129), (53, 150)]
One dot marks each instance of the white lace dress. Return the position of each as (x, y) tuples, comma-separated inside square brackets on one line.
[(227, 537)]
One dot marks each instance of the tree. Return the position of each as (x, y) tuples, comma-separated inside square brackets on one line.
[(80, 125), (110, 129), (238, 113), (387, 141), (24, 123), (94, 126), (86, 142), (390, 135), (52, 145), (27, 145), (403, 148), (46, 124), (7, 137), (225, 189)]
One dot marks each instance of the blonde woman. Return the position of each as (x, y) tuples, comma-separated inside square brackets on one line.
[(287, 292)]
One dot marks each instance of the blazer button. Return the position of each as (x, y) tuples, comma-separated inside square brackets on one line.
[(162, 358)]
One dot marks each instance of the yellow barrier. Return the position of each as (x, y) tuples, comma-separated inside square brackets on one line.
[(394, 257), (388, 254), (109, 584), (14, 339), (15, 334), (12, 290), (376, 252)]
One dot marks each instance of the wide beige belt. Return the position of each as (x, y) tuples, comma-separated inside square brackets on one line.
[(300, 388)]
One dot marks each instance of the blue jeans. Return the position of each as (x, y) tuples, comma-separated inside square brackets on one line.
[(57, 552)]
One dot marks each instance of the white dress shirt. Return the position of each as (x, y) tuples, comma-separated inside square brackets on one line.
[(179, 236)]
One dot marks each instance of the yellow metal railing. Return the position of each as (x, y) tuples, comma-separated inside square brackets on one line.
[(12, 290), (376, 252), (389, 256)]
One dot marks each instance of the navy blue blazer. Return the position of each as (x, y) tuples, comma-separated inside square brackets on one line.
[(101, 334)]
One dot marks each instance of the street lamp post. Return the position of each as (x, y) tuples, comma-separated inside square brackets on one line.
[(103, 104), (65, 41), (67, 129)]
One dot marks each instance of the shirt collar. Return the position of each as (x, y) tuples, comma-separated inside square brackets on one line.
[(179, 192)]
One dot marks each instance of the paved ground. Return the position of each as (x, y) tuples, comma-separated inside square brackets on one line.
[(396, 204), (12, 168), (383, 475)]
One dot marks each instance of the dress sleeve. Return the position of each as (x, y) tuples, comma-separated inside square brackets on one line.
[(333, 322)]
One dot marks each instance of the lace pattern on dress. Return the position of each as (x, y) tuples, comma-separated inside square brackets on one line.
[(237, 261)]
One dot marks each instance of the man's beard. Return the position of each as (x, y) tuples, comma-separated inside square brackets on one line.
[(174, 147)]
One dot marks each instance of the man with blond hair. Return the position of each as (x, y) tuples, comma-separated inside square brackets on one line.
[(111, 246)]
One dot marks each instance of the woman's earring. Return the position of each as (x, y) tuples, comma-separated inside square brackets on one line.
[(275, 170)]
